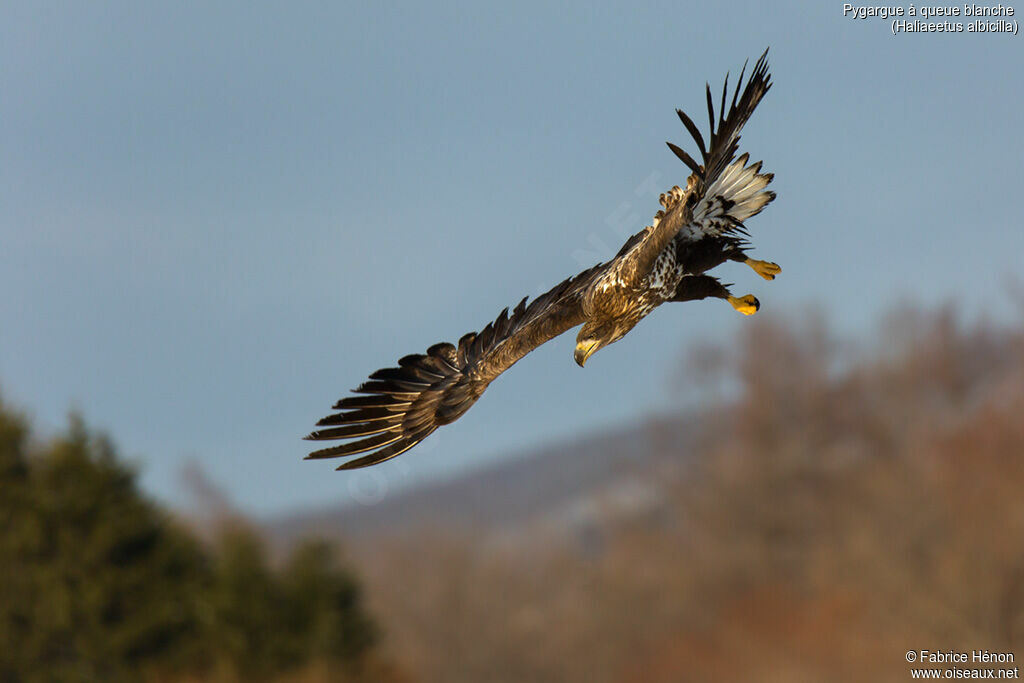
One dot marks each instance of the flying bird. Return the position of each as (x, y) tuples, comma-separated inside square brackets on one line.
[(698, 228)]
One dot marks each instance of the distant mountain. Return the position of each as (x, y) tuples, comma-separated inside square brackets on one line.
[(559, 486)]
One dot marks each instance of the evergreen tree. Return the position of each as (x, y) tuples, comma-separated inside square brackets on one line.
[(105, 584), (97, 583), (323, 605)]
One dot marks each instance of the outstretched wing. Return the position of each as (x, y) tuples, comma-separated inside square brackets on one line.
[(729, 190), (725, 136), (635, 260), (721, 193), (399, 407)]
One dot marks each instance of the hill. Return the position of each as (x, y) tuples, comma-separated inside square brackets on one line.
[(561, 488), (849, 504)]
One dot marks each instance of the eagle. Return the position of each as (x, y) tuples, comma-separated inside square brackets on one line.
[(698, 228)]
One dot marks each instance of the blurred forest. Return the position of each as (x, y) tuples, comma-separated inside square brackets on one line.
[(844, 503), (99, 584)]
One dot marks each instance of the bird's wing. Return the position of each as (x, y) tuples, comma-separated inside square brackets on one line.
[(399, 407), (728, 190), (720, 193), (725, 135), (634, 262)]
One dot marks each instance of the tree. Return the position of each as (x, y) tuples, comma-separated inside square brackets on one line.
[(104, 581), (324, 605), (97, 583)]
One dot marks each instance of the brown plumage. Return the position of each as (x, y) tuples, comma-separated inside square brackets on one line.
[(698, 228)]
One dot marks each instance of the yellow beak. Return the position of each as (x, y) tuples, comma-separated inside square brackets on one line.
[(584, 350)]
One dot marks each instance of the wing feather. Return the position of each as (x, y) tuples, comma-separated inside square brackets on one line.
[(372, 401), (725, 131), (684, 157), (381, 455), (729, 191), (354, 447), (401, 406)]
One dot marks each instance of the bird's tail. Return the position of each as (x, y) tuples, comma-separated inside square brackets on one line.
[(737, 194)]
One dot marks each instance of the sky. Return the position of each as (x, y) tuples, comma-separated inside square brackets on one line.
[(217, 218)]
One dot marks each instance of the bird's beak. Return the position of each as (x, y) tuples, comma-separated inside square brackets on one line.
[(584, 350)]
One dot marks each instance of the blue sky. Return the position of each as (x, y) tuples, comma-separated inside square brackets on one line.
[(216, 218)]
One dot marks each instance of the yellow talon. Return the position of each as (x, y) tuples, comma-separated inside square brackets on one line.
[(747, 305), (765, 269)]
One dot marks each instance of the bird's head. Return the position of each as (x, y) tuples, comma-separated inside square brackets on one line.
[(594, 336)]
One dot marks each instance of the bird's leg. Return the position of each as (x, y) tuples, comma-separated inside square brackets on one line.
[(765, 269), (696, 287)]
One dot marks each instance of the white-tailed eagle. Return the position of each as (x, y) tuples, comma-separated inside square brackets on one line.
[(697, 229)]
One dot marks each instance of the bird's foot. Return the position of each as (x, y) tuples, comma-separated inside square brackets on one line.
[(765, 269), (747, 305)]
